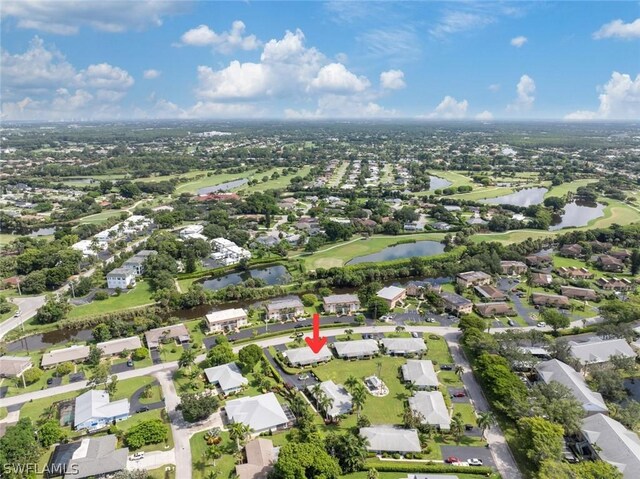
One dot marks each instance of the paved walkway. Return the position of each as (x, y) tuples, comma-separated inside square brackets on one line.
[(152, 460)]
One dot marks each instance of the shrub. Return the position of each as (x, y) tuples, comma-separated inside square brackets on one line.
[(101, 295), (64, 368), (32, 375), (139, 354), (153, 431), (309, 299)]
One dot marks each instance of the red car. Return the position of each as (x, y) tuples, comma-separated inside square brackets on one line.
[(459, 394), (452, 459)]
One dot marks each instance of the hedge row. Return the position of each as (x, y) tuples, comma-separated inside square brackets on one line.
[(392, 466)]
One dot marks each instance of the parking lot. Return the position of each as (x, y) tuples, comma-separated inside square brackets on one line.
[(465, 453)]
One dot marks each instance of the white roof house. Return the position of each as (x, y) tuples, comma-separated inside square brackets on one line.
[(227, 319), (600, 351), (116, 346), (305, 356), (390, 292), (260, 413), (391, 439), (420, 373), (94, 410), (431, 405), (57, 356), (356, 349), (14, 366), (616, 444), (191, 230), (227, 376), (340, 398), (555, 370), (403, 345)]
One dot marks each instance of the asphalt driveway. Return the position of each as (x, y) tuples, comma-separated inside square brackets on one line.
[(465, 453)]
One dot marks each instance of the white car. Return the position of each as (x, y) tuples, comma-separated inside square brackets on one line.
[(137, 456), (475, 462), (18, 313), (542, 324)]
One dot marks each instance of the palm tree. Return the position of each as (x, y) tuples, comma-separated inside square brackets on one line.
[(213, 452), (457, 427), (348, 332), (187, 359), (358, 398), (459, 370), (325, 403), (238, 432), (317, 391), (485, 421), (351, 383)]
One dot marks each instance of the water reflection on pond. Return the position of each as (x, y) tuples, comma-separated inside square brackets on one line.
[(229, 185), (437, 183), (399, 251), (271, 275), (524, 198), (577, 213), (37, 342)]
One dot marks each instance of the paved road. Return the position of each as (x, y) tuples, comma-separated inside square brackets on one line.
[(28, 306), (502, 457), (152, 460)]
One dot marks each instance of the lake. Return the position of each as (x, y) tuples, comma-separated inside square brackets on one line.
[(271, 275), (399, 251), (577, 213), (524, 198), (229, 185), (37, 342), (437, 183), (43, 232)]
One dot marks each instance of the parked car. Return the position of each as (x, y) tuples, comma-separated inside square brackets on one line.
[(414, 334), (451, 460), (303, 377), (130, 363), (18, 313), (49, 381), (459, 394), (468, 427), (137, 456), (142, 409), (511, 322), (542, 324), (475, 462), (446, 367)]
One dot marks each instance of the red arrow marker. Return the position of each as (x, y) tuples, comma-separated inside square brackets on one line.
[(316, 342)]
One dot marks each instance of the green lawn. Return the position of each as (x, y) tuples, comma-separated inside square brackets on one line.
[(481, 193), (572, 186), (338, 255), (385, 410), (277, 184), (438, 351), (8, 314), (201, 466), (99, 217), (37, 409), (138, 296), (193, 186), (467, 411)]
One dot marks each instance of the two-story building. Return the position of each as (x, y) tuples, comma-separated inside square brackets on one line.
[(226, 320)]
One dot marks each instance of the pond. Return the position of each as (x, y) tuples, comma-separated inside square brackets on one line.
[(524, 198), (229, 185), (271, 275), (577, 213), (437, 183), (399, 251), (43, 232), (37, 342)]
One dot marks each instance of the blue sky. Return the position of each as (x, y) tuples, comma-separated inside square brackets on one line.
[(83, 60)]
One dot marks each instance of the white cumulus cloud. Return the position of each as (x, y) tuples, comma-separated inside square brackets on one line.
[(518, 41), (619, 100), (484, 115), (619, 29), (151, 74), (225, 42), (335, 78), (392, 80), (450, 109), (67, 17), (525, 90)]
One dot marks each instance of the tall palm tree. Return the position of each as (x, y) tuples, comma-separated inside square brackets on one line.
[(457, 427), (325, 403), (351, 383), (485, 421), (317, 391), (348, 332), (187, 359), (459, 370), (238, 432), (358, 398), (213, 452)]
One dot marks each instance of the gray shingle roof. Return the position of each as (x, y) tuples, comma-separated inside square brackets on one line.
[(359, 347), (227, 376), (431, 405), (340, 397), (96, 456), (260, 413), (599, 351), (305, 355), (420, 373), (404, 345), (391, 439)]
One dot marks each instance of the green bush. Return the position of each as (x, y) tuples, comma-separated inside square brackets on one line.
[(101, 295), (139, 354), (384, 466), (153, 431), (64, 368), (309, 299), (32, 375)]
